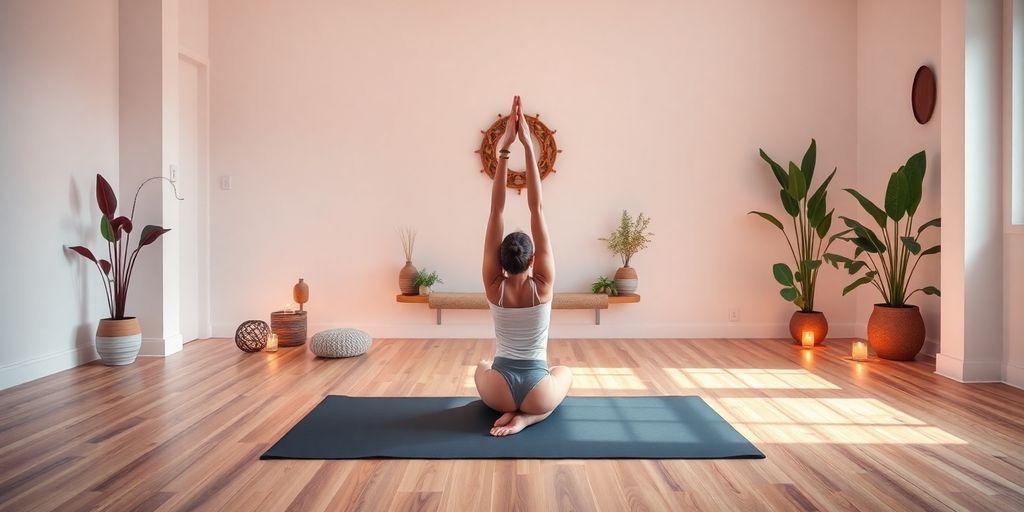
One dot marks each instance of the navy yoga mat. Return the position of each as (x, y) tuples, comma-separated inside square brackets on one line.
[(640, 427)]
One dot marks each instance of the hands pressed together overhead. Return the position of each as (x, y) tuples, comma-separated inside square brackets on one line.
[(516, 127)]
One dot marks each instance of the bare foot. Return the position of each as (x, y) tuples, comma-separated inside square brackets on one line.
[(504, 419), (518, 423)]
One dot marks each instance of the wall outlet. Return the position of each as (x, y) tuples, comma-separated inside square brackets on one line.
[(225, 182), (174, 172), (734, 315)]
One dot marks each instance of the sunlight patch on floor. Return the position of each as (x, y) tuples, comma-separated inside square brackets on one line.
[(828, 420), (747, 378)]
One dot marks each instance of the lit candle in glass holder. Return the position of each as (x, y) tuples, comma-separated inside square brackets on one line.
[(808, 339), (271, 342), (860, 351)]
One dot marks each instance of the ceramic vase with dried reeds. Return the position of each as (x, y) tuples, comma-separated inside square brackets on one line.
[(407, 276)]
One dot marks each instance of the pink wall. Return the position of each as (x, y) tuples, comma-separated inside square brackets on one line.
[(893, 40), (341, 121)]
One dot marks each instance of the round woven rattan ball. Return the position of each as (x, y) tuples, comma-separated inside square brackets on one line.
[(251, 336)]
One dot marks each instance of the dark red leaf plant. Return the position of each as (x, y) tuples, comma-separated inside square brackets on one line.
[(116, 270)]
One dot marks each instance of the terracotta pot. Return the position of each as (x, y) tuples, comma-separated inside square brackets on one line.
[(300, 292), (813, 321), (406, 279), (118, 341), (625, 280), (896, 333)]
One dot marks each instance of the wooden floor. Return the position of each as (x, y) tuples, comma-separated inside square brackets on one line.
[(185, 433)]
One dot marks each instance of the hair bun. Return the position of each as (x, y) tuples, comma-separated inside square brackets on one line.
[(516, 248)]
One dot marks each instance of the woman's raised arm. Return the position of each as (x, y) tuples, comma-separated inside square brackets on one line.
[(544, 259), (495, 222)]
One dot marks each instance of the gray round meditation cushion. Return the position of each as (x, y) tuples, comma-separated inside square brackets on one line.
[(344, 342)]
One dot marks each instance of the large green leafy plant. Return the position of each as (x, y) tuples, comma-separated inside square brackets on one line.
[(810, 219), (886, 259)]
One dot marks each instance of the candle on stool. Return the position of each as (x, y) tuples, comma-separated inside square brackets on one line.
[(808, 339), (860, 351), (271, 342)]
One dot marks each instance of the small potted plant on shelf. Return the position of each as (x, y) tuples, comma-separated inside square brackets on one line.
[(630, 238), (605, 286), (118, 338), (425, 280), (811, 221), (895, 328)]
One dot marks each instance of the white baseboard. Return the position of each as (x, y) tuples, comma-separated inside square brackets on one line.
[(20, 372), (161, 347), (1013, 375), (968, 371), (458, 328)]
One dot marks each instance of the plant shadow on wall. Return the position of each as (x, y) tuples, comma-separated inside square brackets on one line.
[(811, 220), (895, 328), (119, 338)]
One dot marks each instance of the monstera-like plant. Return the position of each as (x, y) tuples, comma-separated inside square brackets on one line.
[(895, 328), (810, 220), (119, 337)]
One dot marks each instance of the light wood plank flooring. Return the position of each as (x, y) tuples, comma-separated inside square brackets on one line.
[(185, 432)]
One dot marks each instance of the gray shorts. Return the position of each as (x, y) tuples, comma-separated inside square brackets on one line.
[(521, 375)]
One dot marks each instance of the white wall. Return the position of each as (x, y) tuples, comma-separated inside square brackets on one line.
[(893, 40), (1013, 243), (58, 128), (341, 121)]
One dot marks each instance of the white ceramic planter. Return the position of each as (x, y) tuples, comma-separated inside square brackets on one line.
[(118, 341)]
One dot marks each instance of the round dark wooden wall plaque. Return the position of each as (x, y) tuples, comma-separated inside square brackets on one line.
[(922, 95)]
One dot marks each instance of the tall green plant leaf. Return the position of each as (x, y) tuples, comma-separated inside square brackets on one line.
[(932, 223), (816, 209), (807, 164), (783, 274), (780, 173), (872, 242), (862, 281), (790, 294), (874, 211), (931, 290), (915, 169), (107, 229), (768, 217), (789, 204), (932, 250), (896, 195), (911, 244), (835, 259), (823, 187), (825, 225), (797, 184)]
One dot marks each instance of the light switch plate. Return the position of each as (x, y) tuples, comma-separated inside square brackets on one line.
[(225, 182)]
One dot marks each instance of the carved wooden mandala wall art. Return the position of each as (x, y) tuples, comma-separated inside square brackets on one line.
[(544, 144)]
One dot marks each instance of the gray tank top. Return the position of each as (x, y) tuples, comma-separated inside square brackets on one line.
[(521, 333)]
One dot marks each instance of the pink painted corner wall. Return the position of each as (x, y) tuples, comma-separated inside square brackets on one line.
[(894, 39), (341, 121)]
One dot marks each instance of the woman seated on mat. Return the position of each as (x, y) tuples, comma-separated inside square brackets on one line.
[(519, 383)]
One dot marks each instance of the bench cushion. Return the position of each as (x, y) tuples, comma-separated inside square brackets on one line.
[(478, 300)]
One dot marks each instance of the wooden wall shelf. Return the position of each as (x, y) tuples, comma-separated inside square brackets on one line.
[(612, 299)]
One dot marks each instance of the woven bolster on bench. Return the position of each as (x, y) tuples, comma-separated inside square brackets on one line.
[(479, 301)]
